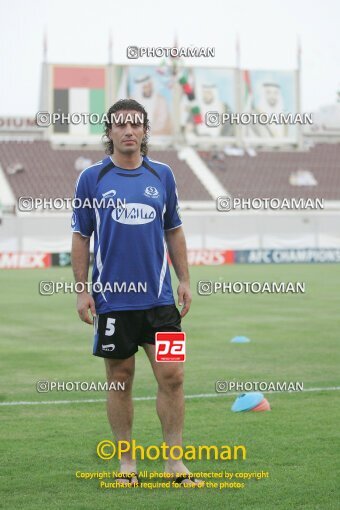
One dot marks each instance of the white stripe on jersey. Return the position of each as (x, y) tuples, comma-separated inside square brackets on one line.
[(164, 211), (99, 257), (83, 235), (173, 228), (160, 162), (163, 270)]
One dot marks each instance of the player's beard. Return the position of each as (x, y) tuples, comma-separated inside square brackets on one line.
[(129, 149)]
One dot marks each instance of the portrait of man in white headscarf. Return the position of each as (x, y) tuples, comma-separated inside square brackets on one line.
[(211, 95), (145, 89), (271, 101), (209, 100), (269, 94)]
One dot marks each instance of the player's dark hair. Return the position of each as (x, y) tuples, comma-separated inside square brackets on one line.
[(125, 104)]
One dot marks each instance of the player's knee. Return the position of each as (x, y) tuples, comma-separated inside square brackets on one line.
[(120, 372), (171, 380)]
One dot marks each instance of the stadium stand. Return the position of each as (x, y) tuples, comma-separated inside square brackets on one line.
[(37, 169), (272, 173), (189, 187)]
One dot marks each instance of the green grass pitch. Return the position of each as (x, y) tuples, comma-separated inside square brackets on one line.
[(294, 337)]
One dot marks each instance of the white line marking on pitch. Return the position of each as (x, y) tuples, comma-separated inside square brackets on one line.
[(199, 395)]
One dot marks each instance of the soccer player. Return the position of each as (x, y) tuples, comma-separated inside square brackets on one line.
[(130, 253)]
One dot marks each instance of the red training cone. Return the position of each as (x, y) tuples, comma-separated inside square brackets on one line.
[(262, 406)]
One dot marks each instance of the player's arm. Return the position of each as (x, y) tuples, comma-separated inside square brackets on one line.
[(80, 265), (177, 249)]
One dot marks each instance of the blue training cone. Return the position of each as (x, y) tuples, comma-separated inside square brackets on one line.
[(246, 401), (240, 340)]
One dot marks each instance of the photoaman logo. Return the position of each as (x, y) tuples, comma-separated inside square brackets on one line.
[(107, 450), (170, 346)]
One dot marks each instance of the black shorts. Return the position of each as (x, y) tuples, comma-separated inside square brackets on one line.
[(118, 334)]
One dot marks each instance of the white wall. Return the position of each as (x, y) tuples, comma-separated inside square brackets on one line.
[(204, 229)]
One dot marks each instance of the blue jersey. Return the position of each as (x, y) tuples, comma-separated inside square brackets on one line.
[(128, 212)]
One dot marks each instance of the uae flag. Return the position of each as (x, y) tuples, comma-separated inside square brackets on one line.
[(78, 90), (248, 93)]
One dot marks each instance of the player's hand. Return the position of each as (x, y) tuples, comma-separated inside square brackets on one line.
[(184, 297), (85, 302)]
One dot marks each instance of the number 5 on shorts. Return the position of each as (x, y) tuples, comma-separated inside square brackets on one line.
[(110, 327)]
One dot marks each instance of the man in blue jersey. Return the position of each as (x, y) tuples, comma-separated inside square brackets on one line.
[(135, 221)]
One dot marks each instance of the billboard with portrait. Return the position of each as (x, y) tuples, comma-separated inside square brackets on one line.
[(269, 92), (214, 91), (153, 89)]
